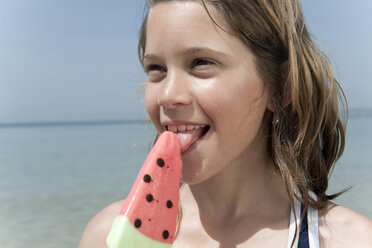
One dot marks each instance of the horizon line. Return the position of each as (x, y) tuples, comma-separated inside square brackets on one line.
[(73, 123), (353, 113)]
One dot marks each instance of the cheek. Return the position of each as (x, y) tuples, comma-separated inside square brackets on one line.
[(237, 108), (152, 106), (238, 101)]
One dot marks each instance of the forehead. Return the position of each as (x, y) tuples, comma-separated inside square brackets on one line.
[(185, 24)]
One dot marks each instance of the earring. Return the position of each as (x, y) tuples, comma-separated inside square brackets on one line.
[(275, 119)]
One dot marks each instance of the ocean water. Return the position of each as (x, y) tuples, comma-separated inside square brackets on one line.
[(53, 179)]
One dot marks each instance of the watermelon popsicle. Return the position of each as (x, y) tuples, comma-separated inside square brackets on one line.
[(149, 215)]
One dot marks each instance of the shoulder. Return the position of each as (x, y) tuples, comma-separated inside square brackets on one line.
[(99, 226), (342, 227)]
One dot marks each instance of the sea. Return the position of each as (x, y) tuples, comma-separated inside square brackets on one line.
[(55, 177)]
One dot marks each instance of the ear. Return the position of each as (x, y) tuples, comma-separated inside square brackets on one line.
[(286, 94)]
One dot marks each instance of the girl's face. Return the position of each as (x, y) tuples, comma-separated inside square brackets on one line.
[(203, 80)]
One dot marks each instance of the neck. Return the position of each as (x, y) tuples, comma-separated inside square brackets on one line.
[(243, 190)]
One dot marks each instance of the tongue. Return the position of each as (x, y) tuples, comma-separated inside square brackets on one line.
[(188, 137)]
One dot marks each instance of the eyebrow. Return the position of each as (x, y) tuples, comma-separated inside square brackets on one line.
[(192, 50)]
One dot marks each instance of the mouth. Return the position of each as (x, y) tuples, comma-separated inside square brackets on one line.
[(188, 134)]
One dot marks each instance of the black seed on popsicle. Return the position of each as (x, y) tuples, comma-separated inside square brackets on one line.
[(165, 234), (137, 223), (149, 198), (169, 204), (147, 178), (160, 162)]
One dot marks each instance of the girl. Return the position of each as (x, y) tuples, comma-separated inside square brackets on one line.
[(257, 102)]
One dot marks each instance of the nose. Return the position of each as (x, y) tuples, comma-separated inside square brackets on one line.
[(175, 91)]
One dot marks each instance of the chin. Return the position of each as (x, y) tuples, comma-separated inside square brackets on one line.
[(190, 178)]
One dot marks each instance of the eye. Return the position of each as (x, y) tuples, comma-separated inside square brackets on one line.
[(154, 68), (204, 68), (155, 72), (201, 62)]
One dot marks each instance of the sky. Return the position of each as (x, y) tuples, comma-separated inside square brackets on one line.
[(76, 60)]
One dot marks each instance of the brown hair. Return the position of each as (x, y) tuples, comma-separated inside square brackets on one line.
[(307, 136)]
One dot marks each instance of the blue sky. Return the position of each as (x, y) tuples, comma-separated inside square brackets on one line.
[(77, 59)]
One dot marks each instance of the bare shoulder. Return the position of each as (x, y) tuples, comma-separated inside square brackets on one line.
[(99, 226), (341, 227)]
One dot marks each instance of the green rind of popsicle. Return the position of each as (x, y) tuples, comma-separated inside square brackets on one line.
[(124, 235)]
